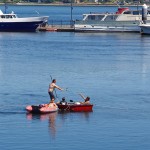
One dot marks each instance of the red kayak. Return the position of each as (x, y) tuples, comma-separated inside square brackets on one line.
[(44, 108), (75, 107)]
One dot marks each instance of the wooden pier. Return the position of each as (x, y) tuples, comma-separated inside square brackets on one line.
[(57, 28)]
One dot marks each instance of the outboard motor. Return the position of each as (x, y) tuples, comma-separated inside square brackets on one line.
[(144, 13)]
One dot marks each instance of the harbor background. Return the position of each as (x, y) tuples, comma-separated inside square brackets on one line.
[(59, 14), (112, 68)]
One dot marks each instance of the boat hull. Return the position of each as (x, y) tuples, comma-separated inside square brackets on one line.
[(41, 109), (145, 29), (19, 26), (103, 26), (75, 107)]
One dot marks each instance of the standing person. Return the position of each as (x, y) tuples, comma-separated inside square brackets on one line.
[(51, 89)]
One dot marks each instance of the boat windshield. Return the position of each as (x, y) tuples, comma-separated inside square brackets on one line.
[(95, 17), (127, 12), (135, 12), (7, 16), (111, 17)]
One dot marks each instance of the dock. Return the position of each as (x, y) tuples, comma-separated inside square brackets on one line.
[(57, 28)]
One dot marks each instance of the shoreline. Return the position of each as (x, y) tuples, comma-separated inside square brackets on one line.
[(68, 4)]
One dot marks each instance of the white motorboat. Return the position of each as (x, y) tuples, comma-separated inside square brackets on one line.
[(124, 20)]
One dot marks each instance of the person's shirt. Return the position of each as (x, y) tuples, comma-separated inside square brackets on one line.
[(85, 103), (52, 86)]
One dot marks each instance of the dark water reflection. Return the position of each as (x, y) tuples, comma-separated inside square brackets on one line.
[(53, 118)]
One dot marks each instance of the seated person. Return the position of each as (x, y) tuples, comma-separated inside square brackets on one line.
[(63, 102), (86, 100)]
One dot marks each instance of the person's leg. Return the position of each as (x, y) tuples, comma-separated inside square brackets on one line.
[(52, 97)]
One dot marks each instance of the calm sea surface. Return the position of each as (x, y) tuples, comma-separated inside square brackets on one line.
[(112, 68)]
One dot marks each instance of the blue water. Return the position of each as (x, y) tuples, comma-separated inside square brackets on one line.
[(112, 68)]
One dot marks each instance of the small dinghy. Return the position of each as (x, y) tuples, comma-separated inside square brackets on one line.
[(43, 108), (75, 107)]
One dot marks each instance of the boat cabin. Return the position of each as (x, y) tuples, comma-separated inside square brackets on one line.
[(7, 16), (100, 17), (126, 14)]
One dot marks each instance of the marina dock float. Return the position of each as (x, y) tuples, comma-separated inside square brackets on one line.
[(57, 28), (65, 30)]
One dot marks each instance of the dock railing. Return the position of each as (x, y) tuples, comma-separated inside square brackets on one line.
[(61, 23), (57, 25)]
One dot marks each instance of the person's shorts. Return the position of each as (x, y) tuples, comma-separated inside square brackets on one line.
[(51, 95)]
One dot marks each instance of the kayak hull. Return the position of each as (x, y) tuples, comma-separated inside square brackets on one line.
[(75, 107), (41, 109)]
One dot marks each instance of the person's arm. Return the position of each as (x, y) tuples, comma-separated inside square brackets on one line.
[(58, 87), (82, 96)]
